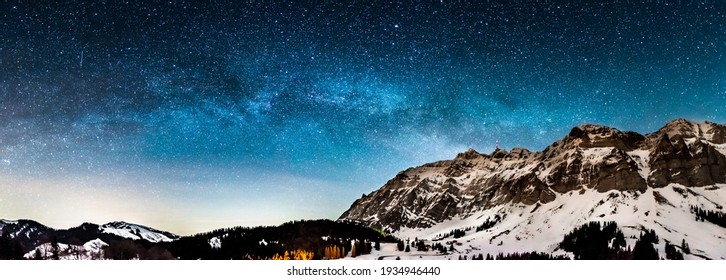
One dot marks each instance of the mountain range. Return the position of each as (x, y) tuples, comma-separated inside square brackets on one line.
[(599, 192), (520, 201), (83, 240)]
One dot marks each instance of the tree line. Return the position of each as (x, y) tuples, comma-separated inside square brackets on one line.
[(714, 217)]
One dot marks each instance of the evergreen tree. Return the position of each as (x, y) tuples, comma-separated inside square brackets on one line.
[(671, 252), (10, 249), (55, 249), (644, 250), (332, 252), (684, 246), (619, 241)]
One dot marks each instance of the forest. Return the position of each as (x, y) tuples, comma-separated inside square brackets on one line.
[(596, 241)]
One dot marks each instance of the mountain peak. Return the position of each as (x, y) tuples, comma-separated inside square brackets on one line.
[(469, 154), (683, 128), (595, 128), (680, 127), (134, 231), (680, 122), (596, 136), (4, 221)]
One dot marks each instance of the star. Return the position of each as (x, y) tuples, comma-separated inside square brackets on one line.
[(223, 112)]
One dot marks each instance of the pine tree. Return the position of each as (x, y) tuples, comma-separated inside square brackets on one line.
[(303, 255), (644, 250), (671, 252), (55, 248), (332, 252), (10, 249), (684, 247), (285, 256), (619, 240)]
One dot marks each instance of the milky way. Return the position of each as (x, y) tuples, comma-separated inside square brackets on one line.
[(190, 117)]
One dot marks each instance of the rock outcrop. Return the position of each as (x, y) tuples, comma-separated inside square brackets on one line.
[(589, 157)]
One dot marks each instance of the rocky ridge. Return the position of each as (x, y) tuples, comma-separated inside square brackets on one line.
[(590, 157)]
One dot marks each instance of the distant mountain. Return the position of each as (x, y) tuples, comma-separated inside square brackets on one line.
[(33, 236), (121, 240), (520, 201), (28, 233), (134, 231)]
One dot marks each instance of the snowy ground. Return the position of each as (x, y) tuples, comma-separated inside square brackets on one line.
[(389, 251), (541, 227)]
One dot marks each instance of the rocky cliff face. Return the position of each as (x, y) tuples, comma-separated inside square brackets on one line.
[(590, 157)]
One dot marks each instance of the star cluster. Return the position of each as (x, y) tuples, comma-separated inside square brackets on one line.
[(193, 116)]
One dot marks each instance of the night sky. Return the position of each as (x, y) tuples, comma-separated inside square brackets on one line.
[(190, 117)]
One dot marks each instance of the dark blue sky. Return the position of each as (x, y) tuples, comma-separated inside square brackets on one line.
[(191, 117)]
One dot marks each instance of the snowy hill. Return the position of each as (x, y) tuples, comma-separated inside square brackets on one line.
[(27, 232), (85, 241), (531, 200), (31, 232), (135, 232), (91, 250)]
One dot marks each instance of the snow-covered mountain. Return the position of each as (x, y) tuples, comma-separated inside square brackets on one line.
[(524, 201), (135, 232), (27, 232), (32, 236), (32, 230), (91, 250)]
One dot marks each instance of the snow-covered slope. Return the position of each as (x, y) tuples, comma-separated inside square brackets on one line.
[(541, 227), (33, 236), (135, 232), (91, 250), (595, 173), (27, 232)]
